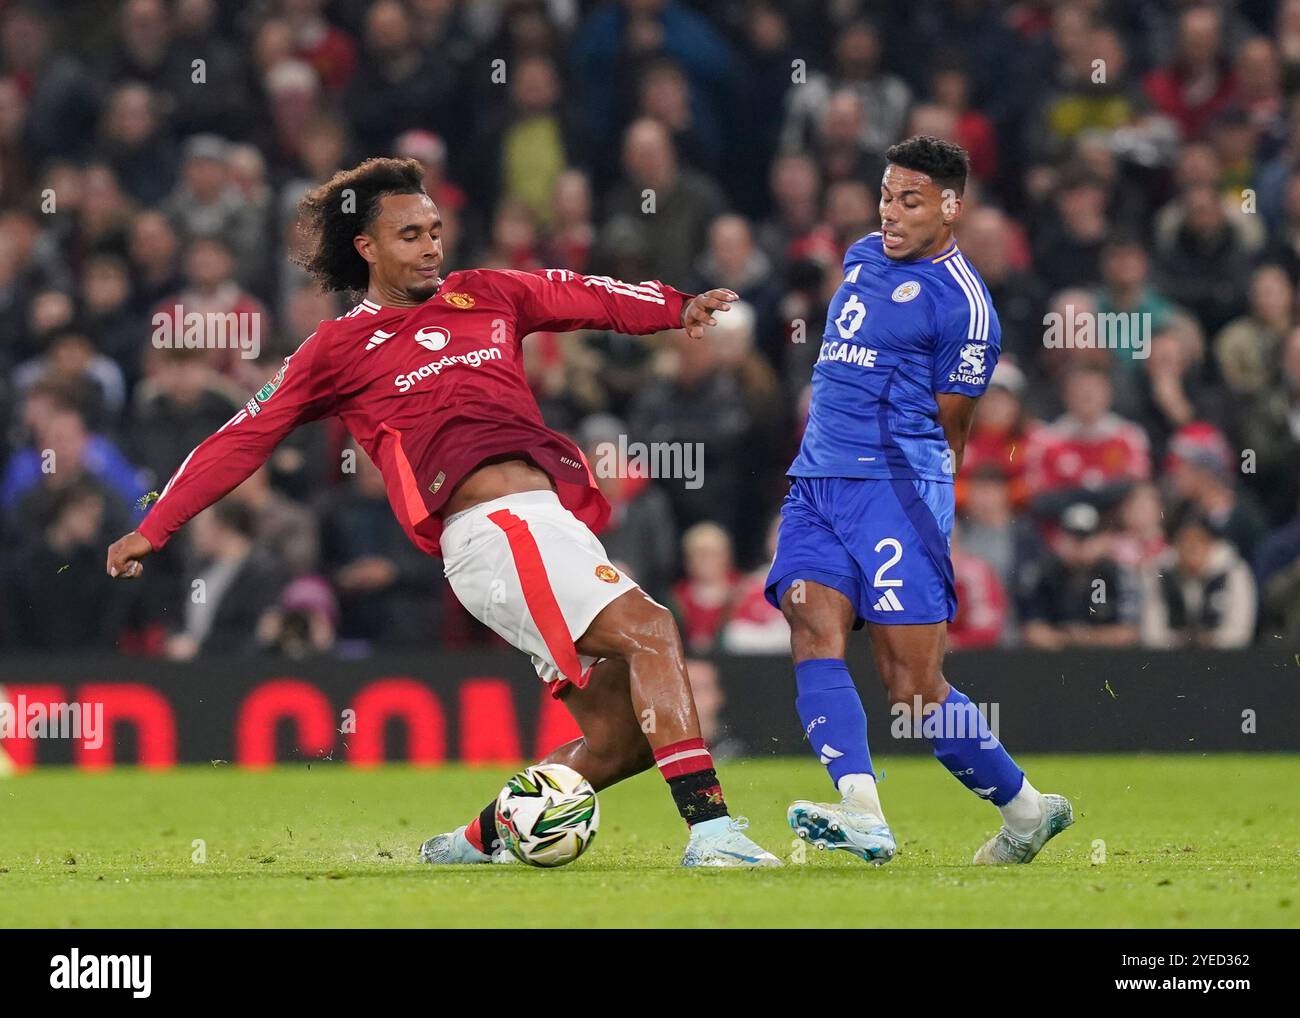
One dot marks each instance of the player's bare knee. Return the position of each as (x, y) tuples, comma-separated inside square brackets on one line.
[(813, 636), (650, 628), (906, 684)]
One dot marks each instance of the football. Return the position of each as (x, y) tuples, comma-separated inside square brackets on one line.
[(547, 815)]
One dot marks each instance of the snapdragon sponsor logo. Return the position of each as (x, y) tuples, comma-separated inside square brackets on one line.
[(946, 721), (473, 359), (77, 971), (1098, 330), (677, 461), (208, 330), (21, 719)]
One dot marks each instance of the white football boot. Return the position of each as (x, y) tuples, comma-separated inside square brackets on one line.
[(844, 827), (454, 848), (1006, 848), (722, 842)]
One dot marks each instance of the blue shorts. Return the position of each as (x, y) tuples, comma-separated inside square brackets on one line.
[(884, 544)]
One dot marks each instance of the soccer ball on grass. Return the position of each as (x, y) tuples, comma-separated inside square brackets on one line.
[(547, 815)]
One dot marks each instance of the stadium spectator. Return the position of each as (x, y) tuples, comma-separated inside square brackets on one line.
[(617, 40), (1001, 430), (710, 698), (1204, 263), (1198, 82), (1269, 426), (982, 616), (62, 451), (950, 89), (1083, 597), (59, 598), (989, 529), (181, 403), (234, 583), (838, 143), (755, 626), (284, 529), (330, 52), (304, 620), (670, 205), (1069, 238), (883, 98), (400, 85), (698, 412), (987, 241), (1140, 528), (388, 590), (1174, 392), (641, 535), (733, 260), (134, 144), (1202, 470), (62, 106), (1126, 290), (1199, 593), (231, 322), (573, 234), (1277, 576), (153, 248), (705, 597), (1089, 451), (795, 228), (1248, 349), (107, 314), (72, 362), (208, 204)]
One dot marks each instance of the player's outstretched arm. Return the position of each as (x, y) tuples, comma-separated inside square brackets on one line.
[(559, 300), (302, 390)]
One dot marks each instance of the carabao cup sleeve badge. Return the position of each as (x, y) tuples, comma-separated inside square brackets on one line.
[(268, 390)]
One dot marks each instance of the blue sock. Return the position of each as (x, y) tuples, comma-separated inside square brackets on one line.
[(832, 715), (962, 742)]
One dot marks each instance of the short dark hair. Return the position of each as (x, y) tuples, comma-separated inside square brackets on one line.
[(333, 260), (946, 163)]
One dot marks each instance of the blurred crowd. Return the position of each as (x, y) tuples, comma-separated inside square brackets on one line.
[(1134, 158)]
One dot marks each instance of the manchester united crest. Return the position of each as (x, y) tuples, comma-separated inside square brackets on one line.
[(607, 573), (460, 300)]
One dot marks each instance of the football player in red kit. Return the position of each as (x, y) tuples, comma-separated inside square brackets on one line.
[(427, 374)]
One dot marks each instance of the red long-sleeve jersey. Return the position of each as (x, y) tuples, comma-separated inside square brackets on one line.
[(428, 392)]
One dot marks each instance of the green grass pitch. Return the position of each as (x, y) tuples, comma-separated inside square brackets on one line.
[(1158, 841)]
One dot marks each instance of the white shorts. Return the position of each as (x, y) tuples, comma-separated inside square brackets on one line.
[(532, 572)]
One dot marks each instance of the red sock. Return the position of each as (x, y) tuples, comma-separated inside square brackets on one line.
[(688, 769), (474, 834), (683, 758)]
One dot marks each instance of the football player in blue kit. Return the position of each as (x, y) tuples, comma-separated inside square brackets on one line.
[(911, 340)]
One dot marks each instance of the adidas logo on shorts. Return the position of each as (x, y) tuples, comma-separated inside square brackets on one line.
[(888, 603)]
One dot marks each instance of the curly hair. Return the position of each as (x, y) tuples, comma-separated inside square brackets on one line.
[(945, 163), (345, 205)]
